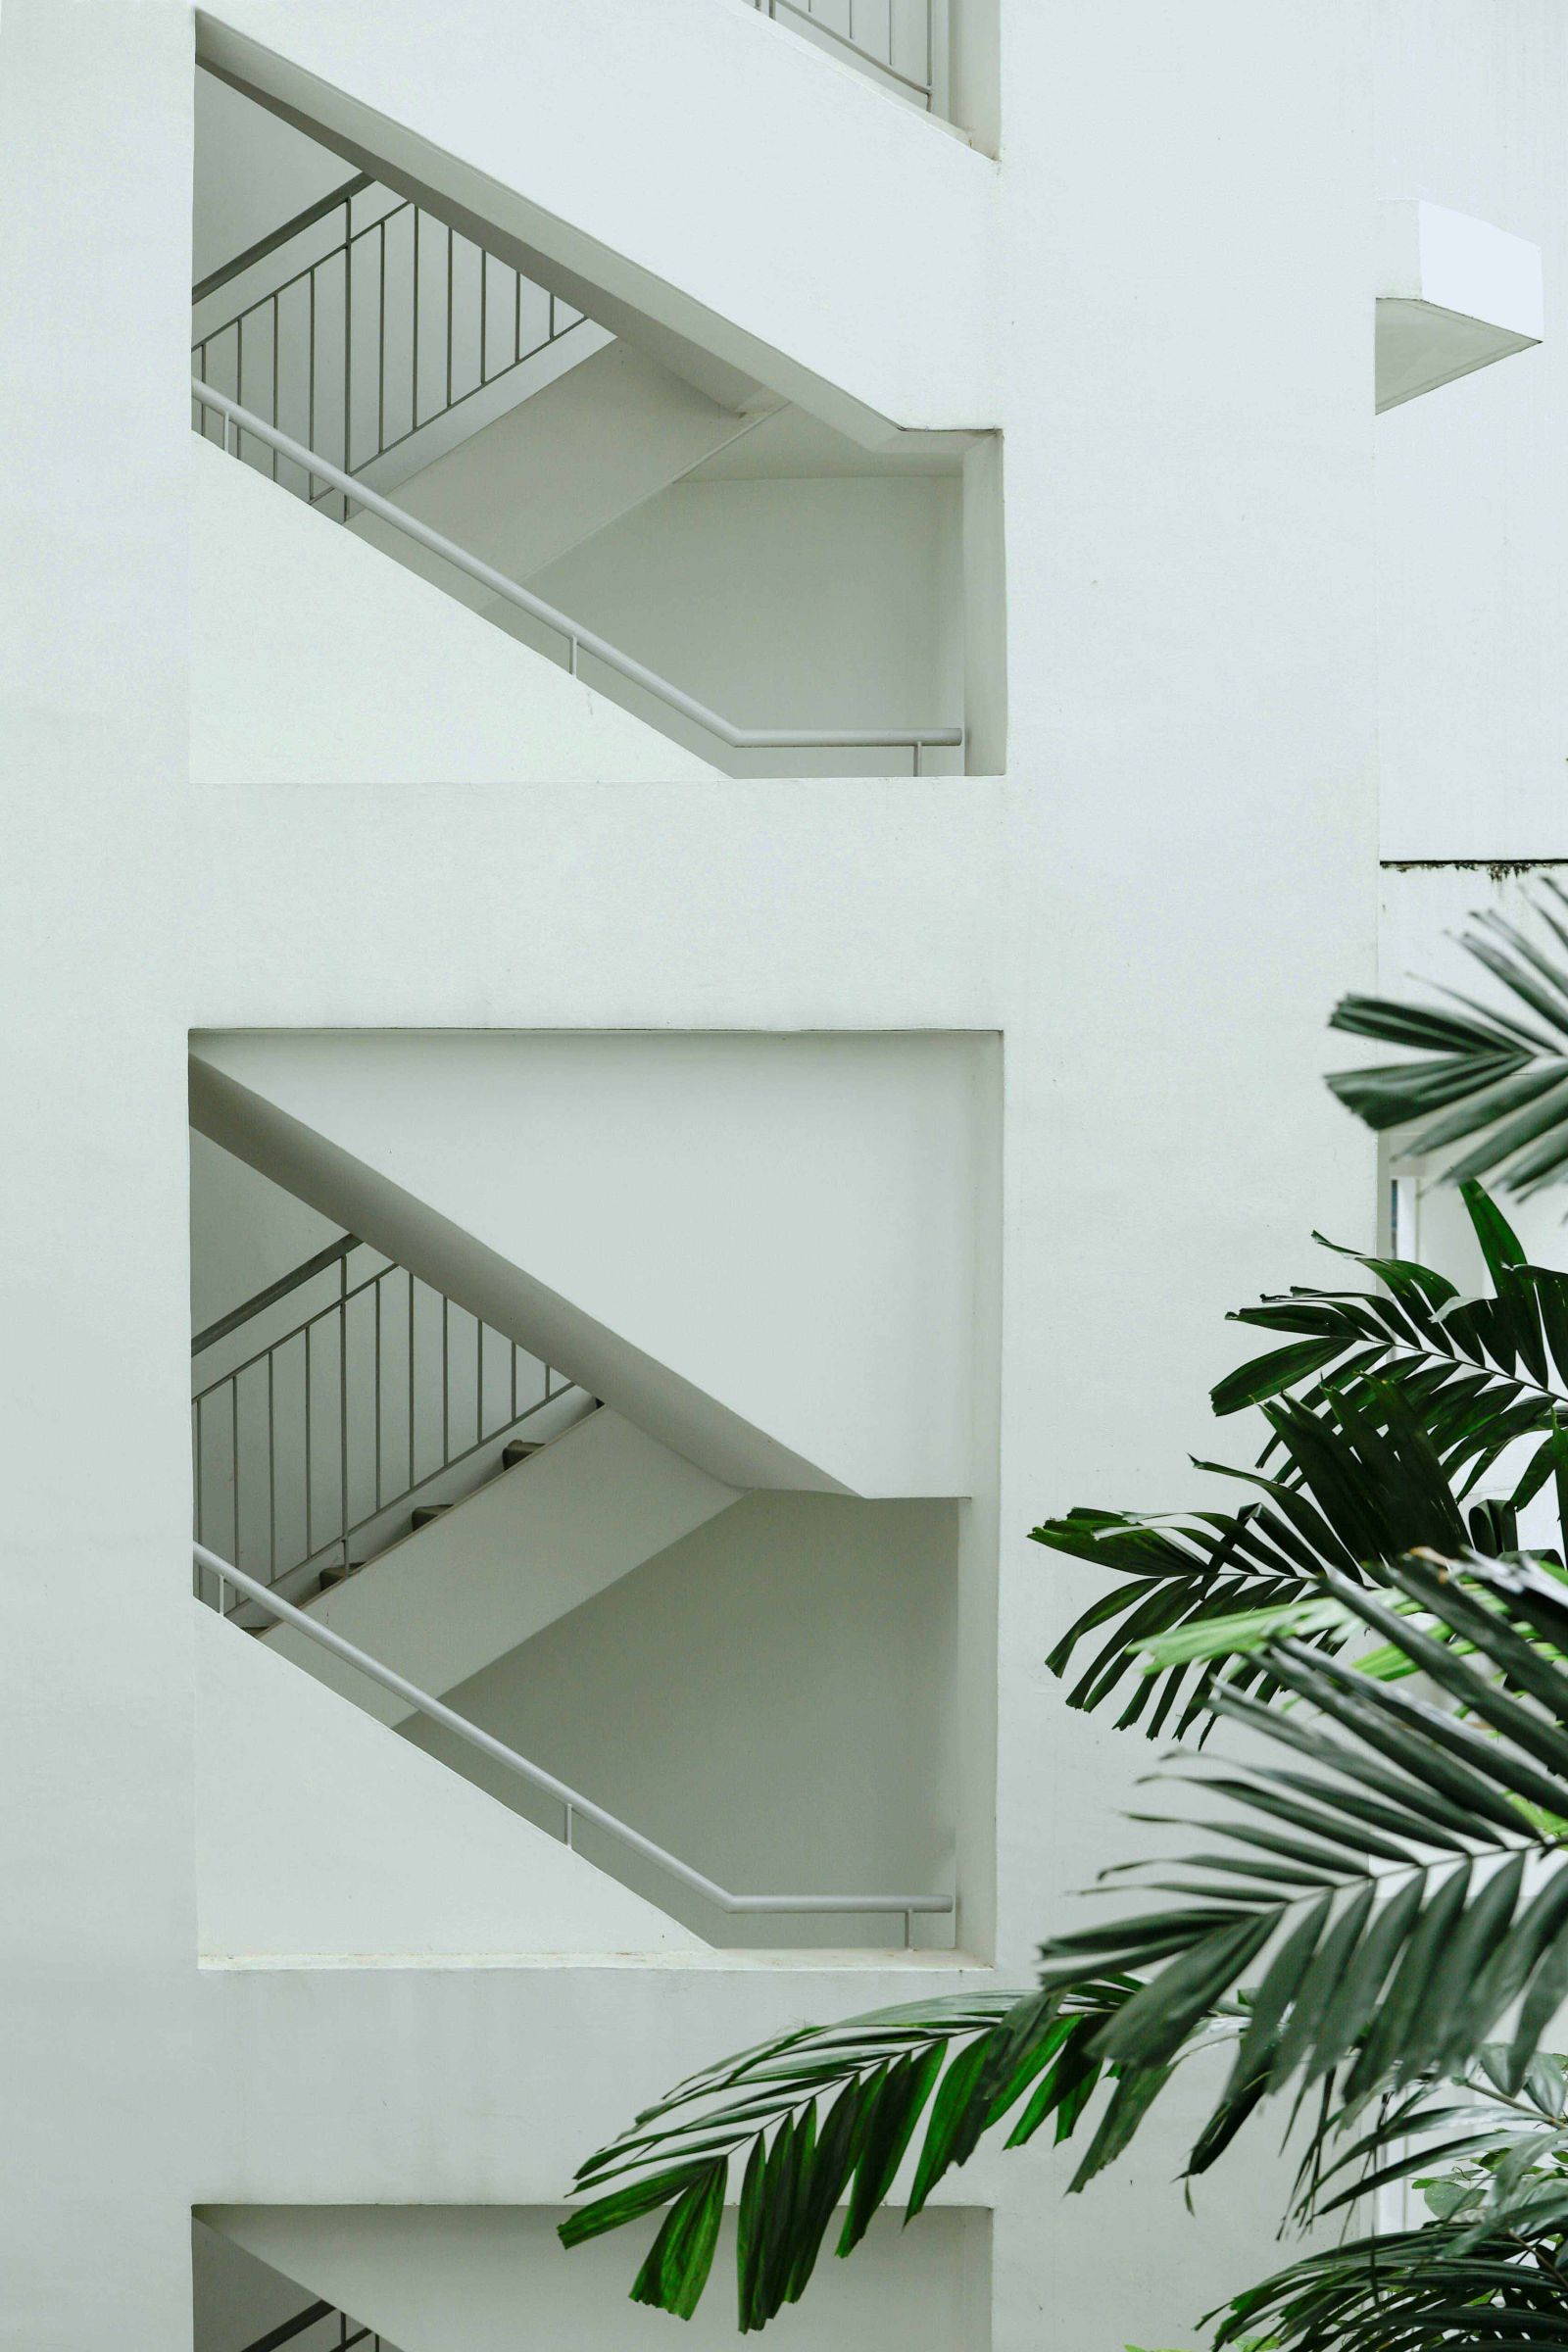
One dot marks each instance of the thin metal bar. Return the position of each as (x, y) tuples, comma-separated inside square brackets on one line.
[(343, 1411), (636, 672), (233, 1440), (478, 1382), (196, 1405), (484, 314), (513, 1380), (414, 363), (570, 1829), (449, 318), (380, 1280), (446, 1379), (275, 340), (279, 237), (274, 1291), (410, 1384), (272, 1468), (348, 349), (310, 478), (548, 1784), (516, 316), (380, 357), (239, 382), (310, 1475)]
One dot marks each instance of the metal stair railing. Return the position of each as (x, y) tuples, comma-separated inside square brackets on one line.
[(574, 1805), (348, 2331), (348, 1416), (899, 41), (399, 320), (240, 425)]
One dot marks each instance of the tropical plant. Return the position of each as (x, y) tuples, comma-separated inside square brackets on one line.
[(1378, 1894)]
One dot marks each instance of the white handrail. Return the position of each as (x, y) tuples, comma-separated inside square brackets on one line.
[(579, 639), (546, 1782)]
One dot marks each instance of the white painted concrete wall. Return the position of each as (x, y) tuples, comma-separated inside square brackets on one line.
[(303, 672), (638, 1208), (771, 1700), (1472, 482), (319, 1835), (495, 2280)]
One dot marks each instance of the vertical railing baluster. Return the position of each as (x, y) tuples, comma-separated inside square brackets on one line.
[(484, 315), (233, 1426), (239, 379), (272, 1456), (310, 1436), (517, 318), (414, 361), (277, 334), (196, 1475), (343, 1403), (478, 1382), (348, 341), (449, 318), (376, 1295), (410, 1379), (310, 435), (380, 354), (446, 1379)]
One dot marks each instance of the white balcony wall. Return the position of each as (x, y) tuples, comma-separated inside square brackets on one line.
[(494, 2278), (772, 1700)]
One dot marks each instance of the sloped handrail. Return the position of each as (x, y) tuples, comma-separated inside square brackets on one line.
[(248, 1308), (578, 639), (576, 1805)]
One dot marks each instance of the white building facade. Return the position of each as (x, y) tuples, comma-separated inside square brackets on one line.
[(687, 1049)]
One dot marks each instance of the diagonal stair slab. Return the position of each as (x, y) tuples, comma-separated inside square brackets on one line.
[(605, 436), (524, 1549), (637, 1209), (319, 1833), (689, 166)]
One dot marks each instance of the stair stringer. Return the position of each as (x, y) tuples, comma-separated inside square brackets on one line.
[(585, 449), (763, 1250), (321, 1835), (317, 661), (496, 1569)]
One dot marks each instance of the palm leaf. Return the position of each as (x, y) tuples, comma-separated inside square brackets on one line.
[(1489, 1086), (1360, 1917)]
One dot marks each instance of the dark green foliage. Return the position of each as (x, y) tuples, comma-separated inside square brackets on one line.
[(824, 2118), (1491, 2163), (1410, 1397), (1358, 1921), (1494, 1081)]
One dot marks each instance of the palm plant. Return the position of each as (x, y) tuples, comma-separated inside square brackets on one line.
[(1372, 1903)]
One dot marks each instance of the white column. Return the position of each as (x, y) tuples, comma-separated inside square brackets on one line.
[(97, 1943)]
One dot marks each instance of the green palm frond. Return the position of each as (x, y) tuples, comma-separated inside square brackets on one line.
[(1481, 1374), (1490, 1084), (1360, 1917), (1408, 1397), (1433, 2289), (1356, 1480), (822, 2119)]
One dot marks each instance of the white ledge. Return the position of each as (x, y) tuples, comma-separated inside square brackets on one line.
[(1453, 294)]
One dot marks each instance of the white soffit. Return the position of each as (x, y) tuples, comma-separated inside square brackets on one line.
[(1454, 294)]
